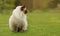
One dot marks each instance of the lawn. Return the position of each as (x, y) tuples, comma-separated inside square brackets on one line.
[(39, 24)]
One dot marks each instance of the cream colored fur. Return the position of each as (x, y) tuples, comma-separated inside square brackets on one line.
[(18, 18)]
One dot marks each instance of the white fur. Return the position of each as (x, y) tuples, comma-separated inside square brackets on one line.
[(18, 17)]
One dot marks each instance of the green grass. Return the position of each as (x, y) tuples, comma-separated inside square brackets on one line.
[(39, 24)]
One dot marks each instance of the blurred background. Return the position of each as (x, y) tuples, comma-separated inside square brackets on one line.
[(43, 17), (6, 6)]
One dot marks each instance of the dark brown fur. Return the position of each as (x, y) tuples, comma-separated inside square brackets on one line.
[(22, 9), (16, 28)]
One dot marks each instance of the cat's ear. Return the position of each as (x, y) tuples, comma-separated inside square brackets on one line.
[(22, 8)]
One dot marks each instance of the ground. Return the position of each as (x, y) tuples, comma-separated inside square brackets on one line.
[(39, 24)]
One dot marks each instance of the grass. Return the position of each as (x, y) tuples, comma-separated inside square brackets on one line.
[(39, 24)]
